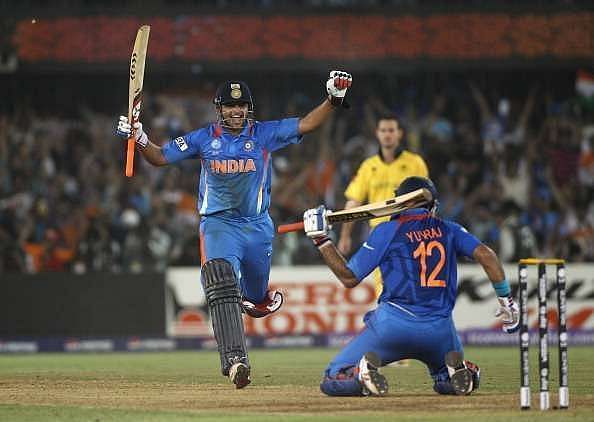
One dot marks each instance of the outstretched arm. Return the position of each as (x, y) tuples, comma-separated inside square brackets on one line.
[(336, 87)]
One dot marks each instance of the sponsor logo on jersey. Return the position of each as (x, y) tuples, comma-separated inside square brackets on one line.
[(367, 246), (232, 166), (216, 143), (181, 143)]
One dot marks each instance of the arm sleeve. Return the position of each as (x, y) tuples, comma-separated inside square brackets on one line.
[(358, 189), (182, 147), (280, 133), (369, 256), (464, 242)]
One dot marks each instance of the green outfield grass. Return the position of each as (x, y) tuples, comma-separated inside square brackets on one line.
[(182, 386)]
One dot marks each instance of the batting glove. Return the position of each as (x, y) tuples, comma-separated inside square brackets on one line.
[(337, 85), (509, 313), (315, 225), (124, 130)]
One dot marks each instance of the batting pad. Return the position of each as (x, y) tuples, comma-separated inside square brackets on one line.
[(223, 298)]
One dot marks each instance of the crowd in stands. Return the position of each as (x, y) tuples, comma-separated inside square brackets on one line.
[(516, 170)]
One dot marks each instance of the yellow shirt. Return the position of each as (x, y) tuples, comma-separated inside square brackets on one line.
[(376, 180)]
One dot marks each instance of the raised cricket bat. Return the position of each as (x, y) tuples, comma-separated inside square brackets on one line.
[(367, 212), (135, 89)]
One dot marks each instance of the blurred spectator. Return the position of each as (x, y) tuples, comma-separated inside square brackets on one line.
[(517, 170)]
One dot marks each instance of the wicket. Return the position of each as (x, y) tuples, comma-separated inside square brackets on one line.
[(543, 326)]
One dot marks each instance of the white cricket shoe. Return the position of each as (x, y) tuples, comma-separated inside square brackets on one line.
[(369, 375)]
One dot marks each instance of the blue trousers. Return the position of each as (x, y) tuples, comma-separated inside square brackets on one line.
[(247, 244), (394, 335)]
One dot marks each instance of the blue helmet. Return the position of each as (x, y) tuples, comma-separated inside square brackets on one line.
[(413, 183)]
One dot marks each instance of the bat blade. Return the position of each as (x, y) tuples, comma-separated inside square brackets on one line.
[(383, 208), (137, 62), (391, 206)]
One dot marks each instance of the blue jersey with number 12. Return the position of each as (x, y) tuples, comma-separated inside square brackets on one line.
[(417, 254)]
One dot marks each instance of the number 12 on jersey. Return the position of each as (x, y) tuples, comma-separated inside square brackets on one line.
[(422, 252)]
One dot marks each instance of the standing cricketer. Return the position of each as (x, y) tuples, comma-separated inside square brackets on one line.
[(416, 253), (379, 176), (234, 196)]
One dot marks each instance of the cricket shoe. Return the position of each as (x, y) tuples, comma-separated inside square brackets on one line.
[(272, 303), (369, 376), (461, 377), (476, 374), (239, 374)]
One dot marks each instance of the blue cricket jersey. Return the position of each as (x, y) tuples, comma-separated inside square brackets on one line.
[(236, 170), (416, 254)]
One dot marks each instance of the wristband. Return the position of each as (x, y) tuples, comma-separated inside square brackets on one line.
[(319, 241), (142, 142), (502, 288), (338, 101)]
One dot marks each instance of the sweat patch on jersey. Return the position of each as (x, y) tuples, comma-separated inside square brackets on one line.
[(181, 143)]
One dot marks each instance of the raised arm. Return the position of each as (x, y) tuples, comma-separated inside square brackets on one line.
[(480, 99), (316, 228), (336, 86), (151, 152), (315, 118), (337, 263), (527, 109)]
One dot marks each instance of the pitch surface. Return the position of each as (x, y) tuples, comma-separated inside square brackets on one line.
[(181, 386)]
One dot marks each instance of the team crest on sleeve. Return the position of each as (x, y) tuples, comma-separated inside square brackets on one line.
[(216, 143), (181, 143), (248, 146)]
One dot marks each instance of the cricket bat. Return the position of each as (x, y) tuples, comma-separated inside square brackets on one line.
[(135, 90), (366, 212)]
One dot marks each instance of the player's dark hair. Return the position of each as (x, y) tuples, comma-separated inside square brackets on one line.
[(389, 117)]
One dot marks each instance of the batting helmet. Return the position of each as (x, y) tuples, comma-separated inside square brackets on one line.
[(413, 183), (234, 92)]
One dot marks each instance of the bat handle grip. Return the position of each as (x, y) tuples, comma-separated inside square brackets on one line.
[(130, 157), (292, 227)]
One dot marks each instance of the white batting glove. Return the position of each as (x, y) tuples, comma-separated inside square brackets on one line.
[(509, 313), (316, 225), (337, 84), (124, 130)]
